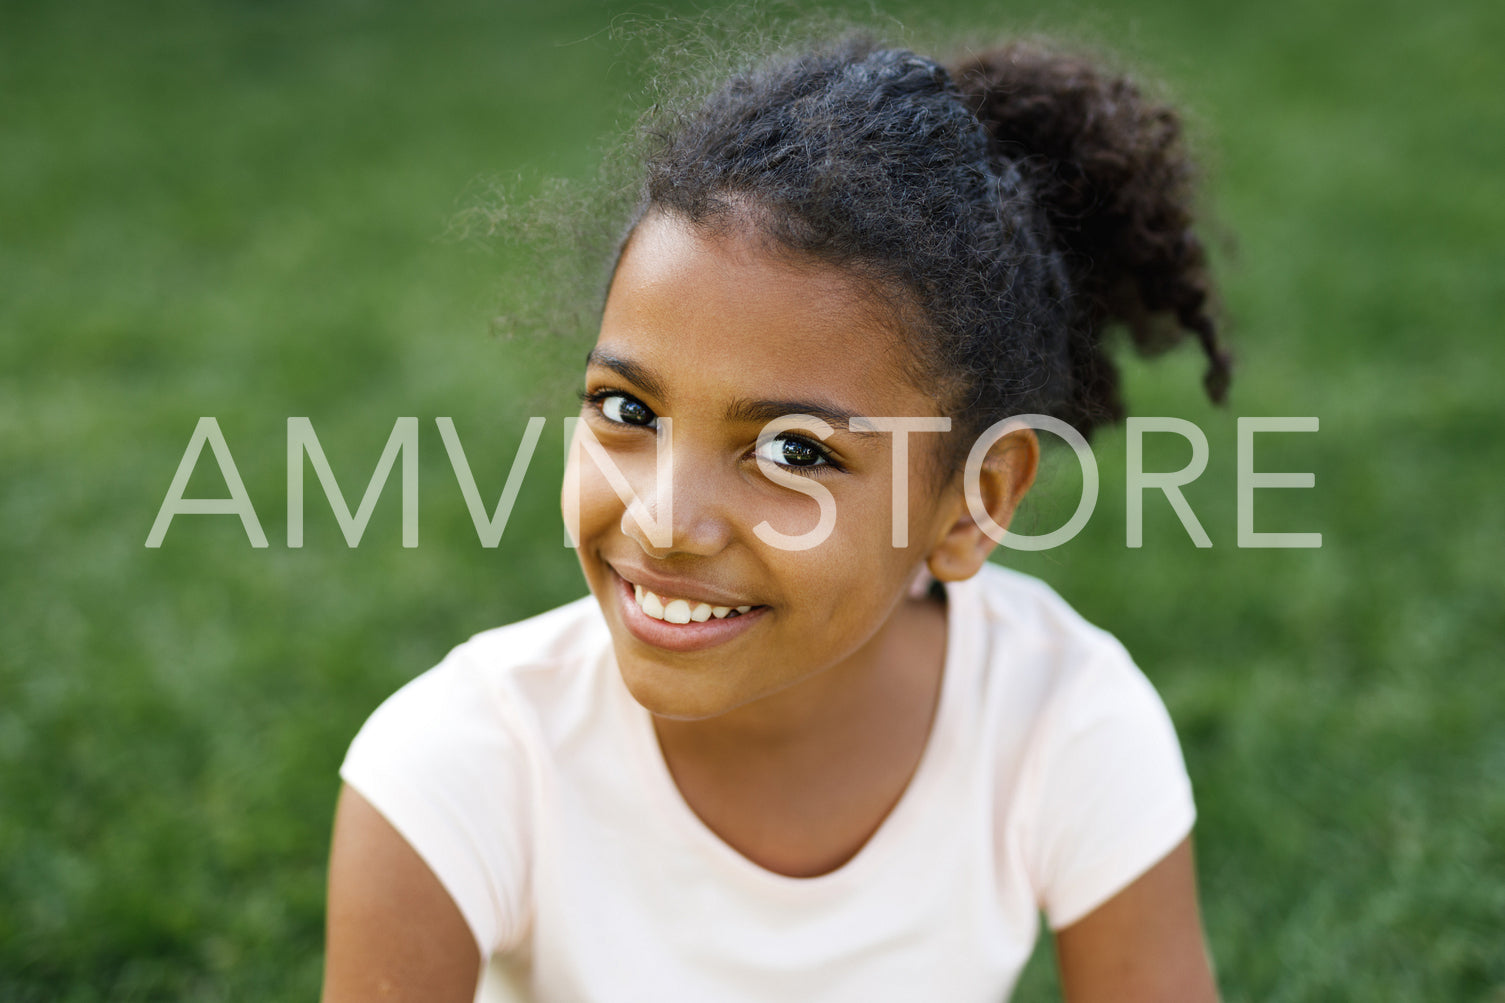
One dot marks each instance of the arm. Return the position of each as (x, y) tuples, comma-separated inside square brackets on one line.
[(1144, 945), (393, 933)]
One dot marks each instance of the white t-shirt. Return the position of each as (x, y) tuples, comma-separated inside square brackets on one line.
[(523, 772)]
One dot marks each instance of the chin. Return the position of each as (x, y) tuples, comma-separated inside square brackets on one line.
[(676, 695)]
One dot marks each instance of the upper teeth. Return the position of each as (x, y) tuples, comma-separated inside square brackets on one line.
[(673, 610)]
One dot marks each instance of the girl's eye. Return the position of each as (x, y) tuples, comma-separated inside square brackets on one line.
[(624, 410), (793, 451)]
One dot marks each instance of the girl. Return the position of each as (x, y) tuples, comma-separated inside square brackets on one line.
[(802, 742)]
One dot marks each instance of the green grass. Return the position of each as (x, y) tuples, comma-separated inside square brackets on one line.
[(237, 210)]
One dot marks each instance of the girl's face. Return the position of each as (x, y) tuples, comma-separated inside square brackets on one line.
[(721, 338)]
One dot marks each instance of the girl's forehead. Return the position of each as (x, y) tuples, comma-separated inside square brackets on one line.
[(717, 310), (734, 266)]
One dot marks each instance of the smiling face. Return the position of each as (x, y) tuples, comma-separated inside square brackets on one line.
[(722, 338)]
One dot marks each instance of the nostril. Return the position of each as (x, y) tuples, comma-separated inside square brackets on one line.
[(651, 531)]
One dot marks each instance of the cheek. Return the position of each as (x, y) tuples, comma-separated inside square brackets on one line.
[(931, 506), (858, 567), (791, 514), (586, 499), (869, 523)]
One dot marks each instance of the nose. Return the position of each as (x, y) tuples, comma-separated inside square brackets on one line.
[(688, 512)]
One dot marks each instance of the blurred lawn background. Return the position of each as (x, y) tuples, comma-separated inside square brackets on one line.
[(239, 209)]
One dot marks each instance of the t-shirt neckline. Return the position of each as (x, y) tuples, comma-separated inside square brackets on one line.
[(961, 623)]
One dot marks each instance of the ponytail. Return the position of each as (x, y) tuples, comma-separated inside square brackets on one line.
[(1107, 169)]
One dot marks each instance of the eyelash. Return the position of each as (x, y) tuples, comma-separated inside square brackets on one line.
[(596, 399)]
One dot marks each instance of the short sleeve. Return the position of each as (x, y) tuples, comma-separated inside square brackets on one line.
[(441, 760), (1109, 786)]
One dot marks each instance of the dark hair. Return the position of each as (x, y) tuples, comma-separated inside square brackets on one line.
[(1018, 205)]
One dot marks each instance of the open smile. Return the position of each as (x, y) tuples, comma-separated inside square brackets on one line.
[(681, 623), (671, 610)]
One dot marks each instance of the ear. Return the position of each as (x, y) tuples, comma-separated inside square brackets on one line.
[(1006, 473)]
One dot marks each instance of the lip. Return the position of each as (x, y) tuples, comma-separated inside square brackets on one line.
[(679, 636), (677, 587)]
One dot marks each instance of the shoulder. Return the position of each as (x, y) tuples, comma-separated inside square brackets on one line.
[(1040, 652), (453, 759), (1034, 613), (1071, 677), (506, 678), (1099, 787), (558, 636), (560, 640)]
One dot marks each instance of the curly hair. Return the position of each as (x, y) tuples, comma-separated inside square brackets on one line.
[(1011, 209)]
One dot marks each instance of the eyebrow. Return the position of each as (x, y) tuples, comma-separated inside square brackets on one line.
[(761, 411), (628, 370)]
